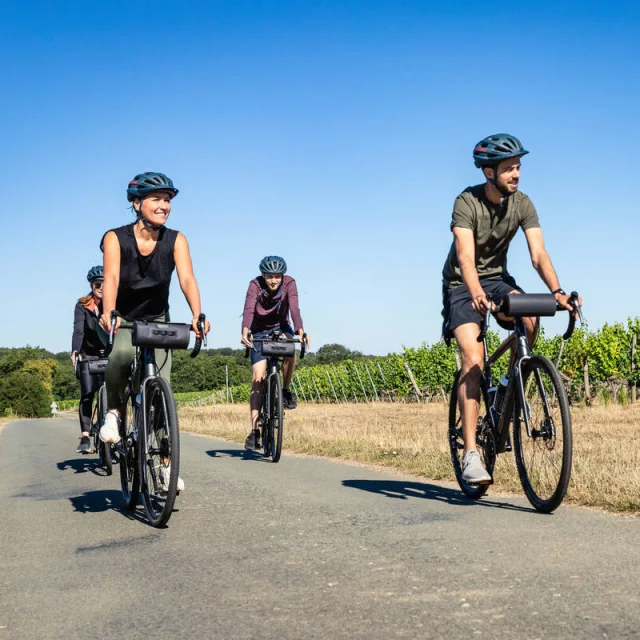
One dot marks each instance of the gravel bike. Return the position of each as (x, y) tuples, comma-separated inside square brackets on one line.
[(270, 424), (149, 448), (97, 367), (532, 397)]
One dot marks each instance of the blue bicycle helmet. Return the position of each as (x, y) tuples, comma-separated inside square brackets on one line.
[(273, 264), (492, 150), (95, 273), (145, 183)]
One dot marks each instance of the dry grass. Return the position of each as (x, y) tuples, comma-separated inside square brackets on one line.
[(412, 438)]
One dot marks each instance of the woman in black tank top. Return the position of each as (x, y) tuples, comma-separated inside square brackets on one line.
[(139, 260)]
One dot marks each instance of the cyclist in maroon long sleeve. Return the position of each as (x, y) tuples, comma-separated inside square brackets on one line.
[(270, 304)]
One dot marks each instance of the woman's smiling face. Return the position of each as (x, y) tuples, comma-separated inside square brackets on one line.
[(273, 280), (155, 208)]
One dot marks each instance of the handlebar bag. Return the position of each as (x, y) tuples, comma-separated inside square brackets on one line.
[(97, 366), (160, 335), (529, 304), (280, 349)]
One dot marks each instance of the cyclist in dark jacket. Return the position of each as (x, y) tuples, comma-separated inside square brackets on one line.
[(86, 345)]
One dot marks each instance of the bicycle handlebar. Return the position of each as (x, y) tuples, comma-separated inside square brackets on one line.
[(302, 341), (494, 305), (200, 341)]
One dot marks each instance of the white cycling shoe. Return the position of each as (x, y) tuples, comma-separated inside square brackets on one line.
[(109, 431), (164, 474), (472, 470)]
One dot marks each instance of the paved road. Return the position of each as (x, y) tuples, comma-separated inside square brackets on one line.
[(306, 548)]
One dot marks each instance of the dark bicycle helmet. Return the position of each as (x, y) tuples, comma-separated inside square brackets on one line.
[(493, 149), (95, 273), (145, 183), (273, 264)]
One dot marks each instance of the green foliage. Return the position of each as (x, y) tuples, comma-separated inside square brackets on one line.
[(23, 393)]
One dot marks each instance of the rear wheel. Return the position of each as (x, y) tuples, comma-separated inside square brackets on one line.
[(485, 442), (544, 457), (276, 418), (159, 452), (127, 453)]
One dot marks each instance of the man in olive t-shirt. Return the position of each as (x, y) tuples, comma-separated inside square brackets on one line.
[(485, 220)]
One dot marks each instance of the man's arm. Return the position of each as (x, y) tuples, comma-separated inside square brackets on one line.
[(465, 244), (542, 264)]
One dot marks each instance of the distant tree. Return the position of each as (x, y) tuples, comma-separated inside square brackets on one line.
[(332, 353), (24, 394)]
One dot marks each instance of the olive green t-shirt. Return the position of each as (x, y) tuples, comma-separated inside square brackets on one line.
[(493, 226)]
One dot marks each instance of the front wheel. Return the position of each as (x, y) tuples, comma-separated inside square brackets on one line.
[(276, 418), (159, 452), (103, 448), (543, 457), (485, 442)]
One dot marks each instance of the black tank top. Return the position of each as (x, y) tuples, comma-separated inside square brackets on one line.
[(143, 293)]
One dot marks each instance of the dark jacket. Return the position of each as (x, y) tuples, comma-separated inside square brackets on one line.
[(85, 332)]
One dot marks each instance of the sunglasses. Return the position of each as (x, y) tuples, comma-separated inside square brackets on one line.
[(97, 285)]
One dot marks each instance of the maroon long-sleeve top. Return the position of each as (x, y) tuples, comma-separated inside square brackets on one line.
[(264, 310)]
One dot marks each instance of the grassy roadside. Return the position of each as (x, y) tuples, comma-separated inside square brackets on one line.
[(412, 438)]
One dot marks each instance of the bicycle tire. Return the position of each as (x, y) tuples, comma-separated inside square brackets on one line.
[(127, 453), (545, 490), (159, 442), (485, 443), (276, 419), (104, 448)]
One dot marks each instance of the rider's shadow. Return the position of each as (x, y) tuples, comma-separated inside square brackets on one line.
[(81, 465), (401, 490), (97, 501), (243, 454)]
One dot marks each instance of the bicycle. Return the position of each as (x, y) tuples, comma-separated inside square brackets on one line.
[(97, 367), (533, 398), (149, 447), (271, 419)]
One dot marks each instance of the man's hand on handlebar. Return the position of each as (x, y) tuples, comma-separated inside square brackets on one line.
[(568, 302), (481, 304)]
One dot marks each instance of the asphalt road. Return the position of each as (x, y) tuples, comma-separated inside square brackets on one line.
[(306, 548)]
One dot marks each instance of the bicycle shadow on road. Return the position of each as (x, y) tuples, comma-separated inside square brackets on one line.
[(243, 454), (405, 490), (82, 465), (105, 500)]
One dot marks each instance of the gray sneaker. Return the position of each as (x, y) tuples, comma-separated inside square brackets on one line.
[(472, 470)]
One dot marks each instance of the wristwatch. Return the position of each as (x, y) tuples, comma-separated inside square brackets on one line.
[(562, 291)]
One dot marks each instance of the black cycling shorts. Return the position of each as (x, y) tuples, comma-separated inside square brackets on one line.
[(458, 310)]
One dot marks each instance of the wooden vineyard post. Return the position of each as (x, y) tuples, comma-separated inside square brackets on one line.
[(412, 380), (226, 380), (384, 381), (371, 381), (360, 380), (344, 395), (301, 387), (587, 387), (634, 340), (335, 395), (316, 386)]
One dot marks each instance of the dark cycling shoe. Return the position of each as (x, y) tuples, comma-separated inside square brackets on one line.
[(84, 446), (253, 440), (288, 401)]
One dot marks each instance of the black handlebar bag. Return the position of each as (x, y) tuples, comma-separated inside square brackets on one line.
[(280, 349), (160, 335)]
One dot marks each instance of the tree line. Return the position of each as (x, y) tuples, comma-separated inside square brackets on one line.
[(31, 378)]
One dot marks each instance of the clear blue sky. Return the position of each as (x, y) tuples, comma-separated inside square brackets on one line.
[(336, 134)]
